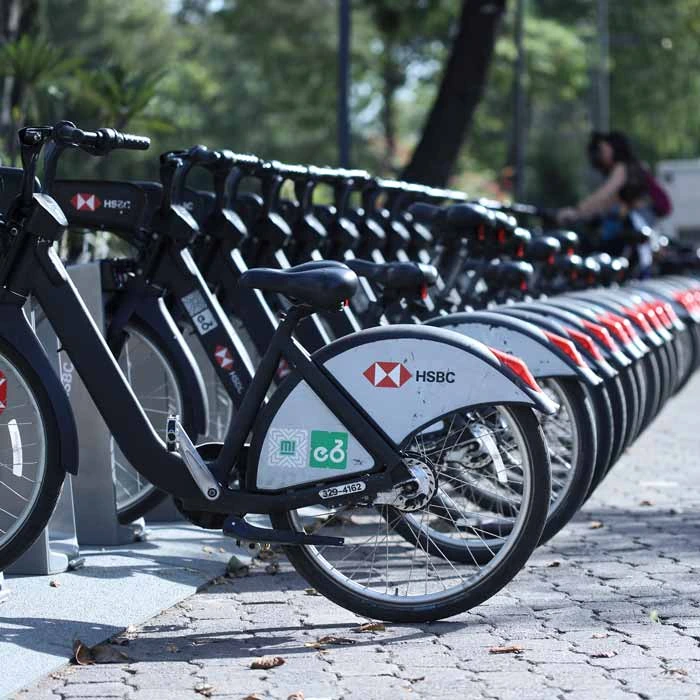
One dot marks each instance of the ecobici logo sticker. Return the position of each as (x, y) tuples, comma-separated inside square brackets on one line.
[(291, 448), (328, 450), (202, 317)]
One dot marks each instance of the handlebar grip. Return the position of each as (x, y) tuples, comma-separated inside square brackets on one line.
[(132, 142)]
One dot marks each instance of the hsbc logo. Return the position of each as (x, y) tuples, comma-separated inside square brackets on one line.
[(393, 375), (387, 375), (223, 357), (85, 202)]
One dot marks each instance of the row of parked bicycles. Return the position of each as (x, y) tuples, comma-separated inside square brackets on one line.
[(413, 388)]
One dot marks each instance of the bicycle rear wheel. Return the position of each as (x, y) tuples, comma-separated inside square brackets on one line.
[(381, 573)]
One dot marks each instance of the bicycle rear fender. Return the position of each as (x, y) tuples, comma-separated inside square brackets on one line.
[(401, 377), (525, 340), (16, 332)]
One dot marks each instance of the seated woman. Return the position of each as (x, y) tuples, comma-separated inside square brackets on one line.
[(624, 190)]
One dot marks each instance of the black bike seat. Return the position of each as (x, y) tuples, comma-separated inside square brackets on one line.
[(324, 286), (395, 275), (509, 273), (542, 248), (569, 240)]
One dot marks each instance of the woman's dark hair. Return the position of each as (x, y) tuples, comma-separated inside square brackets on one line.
[(636, 185), (622, 150)]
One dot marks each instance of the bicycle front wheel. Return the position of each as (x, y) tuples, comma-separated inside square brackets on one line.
[(31, 475)]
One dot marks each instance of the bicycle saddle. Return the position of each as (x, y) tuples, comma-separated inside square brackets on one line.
[(542, 248), (322, 284), (461, 218), (569, 240), (395, 275), (509, 274)]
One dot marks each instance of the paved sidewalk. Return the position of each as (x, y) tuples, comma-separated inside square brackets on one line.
[(610, 609)]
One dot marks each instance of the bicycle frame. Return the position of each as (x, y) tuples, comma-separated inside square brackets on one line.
[(34, 268)]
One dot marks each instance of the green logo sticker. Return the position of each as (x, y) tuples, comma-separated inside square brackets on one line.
[(328, 450)]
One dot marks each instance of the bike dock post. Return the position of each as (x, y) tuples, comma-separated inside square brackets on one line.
[(96, 510), (56, 550), (4, 590)]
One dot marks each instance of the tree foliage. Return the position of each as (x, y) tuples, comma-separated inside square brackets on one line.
[(262, 77)]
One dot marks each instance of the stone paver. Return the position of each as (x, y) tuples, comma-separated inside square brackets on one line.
[(607, 613)]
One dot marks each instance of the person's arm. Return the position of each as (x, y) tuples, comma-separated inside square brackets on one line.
[(600, 200), (606, 195)]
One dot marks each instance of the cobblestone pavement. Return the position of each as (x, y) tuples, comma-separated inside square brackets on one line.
[(610, 609)]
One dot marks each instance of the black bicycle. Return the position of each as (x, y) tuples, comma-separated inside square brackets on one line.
[(363, 427)]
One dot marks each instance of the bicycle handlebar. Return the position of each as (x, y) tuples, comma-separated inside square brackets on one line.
[(98, 142)]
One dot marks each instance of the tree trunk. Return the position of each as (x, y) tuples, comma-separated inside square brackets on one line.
[(458, 96)]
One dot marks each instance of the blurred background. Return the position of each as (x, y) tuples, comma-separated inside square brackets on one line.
[(495, 97)]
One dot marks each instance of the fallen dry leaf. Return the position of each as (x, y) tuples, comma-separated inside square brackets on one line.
[(599, 635), (676, 672), (265, 662), (253, 696), (654, 616), (311, 591), (237, 568), (205, 689), (272, 568), (553, 564), (172, 648), (296, 696), (222, 550), (83, 655), (371, 627), (603, 654), (510, 649), (331, 640), (646, 502), (266, 553), (53, 583), (595, 525), (208, 549)]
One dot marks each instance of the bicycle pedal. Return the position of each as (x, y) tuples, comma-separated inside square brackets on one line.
[(241, 530)]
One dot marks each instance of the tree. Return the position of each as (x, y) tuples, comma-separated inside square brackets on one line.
[(460, 91)]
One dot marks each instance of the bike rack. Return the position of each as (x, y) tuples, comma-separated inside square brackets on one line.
[(96, 512), (56, 550)]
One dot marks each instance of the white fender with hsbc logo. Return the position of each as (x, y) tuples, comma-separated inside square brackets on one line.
[(544, 355), (402, 376)]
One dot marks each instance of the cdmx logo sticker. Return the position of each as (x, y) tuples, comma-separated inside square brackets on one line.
[(387, 375), (85, 202), (290, 447)]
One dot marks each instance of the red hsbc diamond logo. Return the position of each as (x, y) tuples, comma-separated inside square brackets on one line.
[(3, 392), (85, 202), (387, 375), (223, 357)]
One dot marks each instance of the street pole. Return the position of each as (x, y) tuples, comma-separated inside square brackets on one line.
[(603, 75), (343, 119), (519, 126)]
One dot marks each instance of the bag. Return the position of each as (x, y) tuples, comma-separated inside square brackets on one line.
[(660, 201)]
